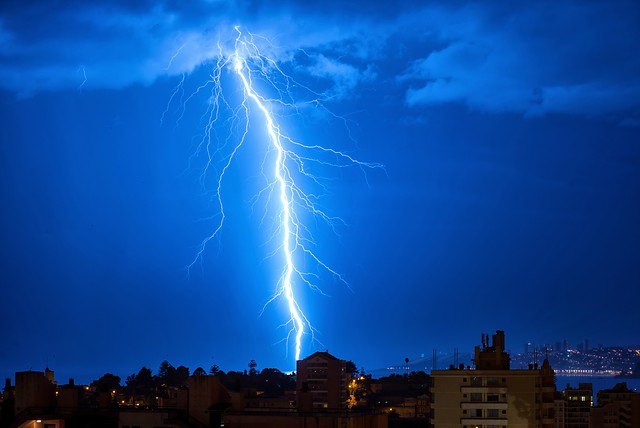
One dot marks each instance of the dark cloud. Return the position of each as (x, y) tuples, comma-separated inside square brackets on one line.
[(119, 45), (574, 58), (570, 57), (534, 59)]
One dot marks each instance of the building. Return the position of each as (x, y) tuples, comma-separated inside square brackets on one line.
[(577, 405), (321, 382), (40, 403), (207, 399), (492, 394), (559, 411), (34, 390), (297, 419), (618, 407), (321, 401), (37, 402)]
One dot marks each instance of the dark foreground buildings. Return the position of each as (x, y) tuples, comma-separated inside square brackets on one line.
[(320, 401), (326, 393)]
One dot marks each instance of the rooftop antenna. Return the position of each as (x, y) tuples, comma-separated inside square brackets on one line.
[(433, 362)]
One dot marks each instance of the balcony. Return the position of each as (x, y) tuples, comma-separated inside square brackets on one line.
[(484, 421), (483, 389), (468, 405)]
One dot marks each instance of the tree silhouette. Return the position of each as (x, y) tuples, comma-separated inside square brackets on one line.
[(252, 368), (182, 375), (108, 382), (166, 371), (141, 385)]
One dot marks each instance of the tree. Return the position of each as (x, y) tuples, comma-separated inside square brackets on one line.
[(273, 382), (107, 382), (214, 370), (351, 368), (141, 384), (182, 375), (199, 372), (166, 371), (131, 380), (252, 368), (145, 377)]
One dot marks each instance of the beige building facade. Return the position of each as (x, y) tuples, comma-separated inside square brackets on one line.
[(492, 395)]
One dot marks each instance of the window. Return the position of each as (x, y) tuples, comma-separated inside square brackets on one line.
[(493, 398), (476, 413), (476, 381), (493, 381), (476, 396), (492, 413)]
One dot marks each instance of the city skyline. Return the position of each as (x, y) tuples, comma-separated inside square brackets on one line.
[(605, 366), (509, 199)]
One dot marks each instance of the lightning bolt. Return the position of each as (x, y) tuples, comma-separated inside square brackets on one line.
[(246, 61), (84, 75)]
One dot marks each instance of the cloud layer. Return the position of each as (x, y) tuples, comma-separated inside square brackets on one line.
[(549, 57), (569, 58)]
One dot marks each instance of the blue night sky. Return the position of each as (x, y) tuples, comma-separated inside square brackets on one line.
[(509, 199)]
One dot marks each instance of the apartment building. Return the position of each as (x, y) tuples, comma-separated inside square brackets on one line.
[(491, 394)]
